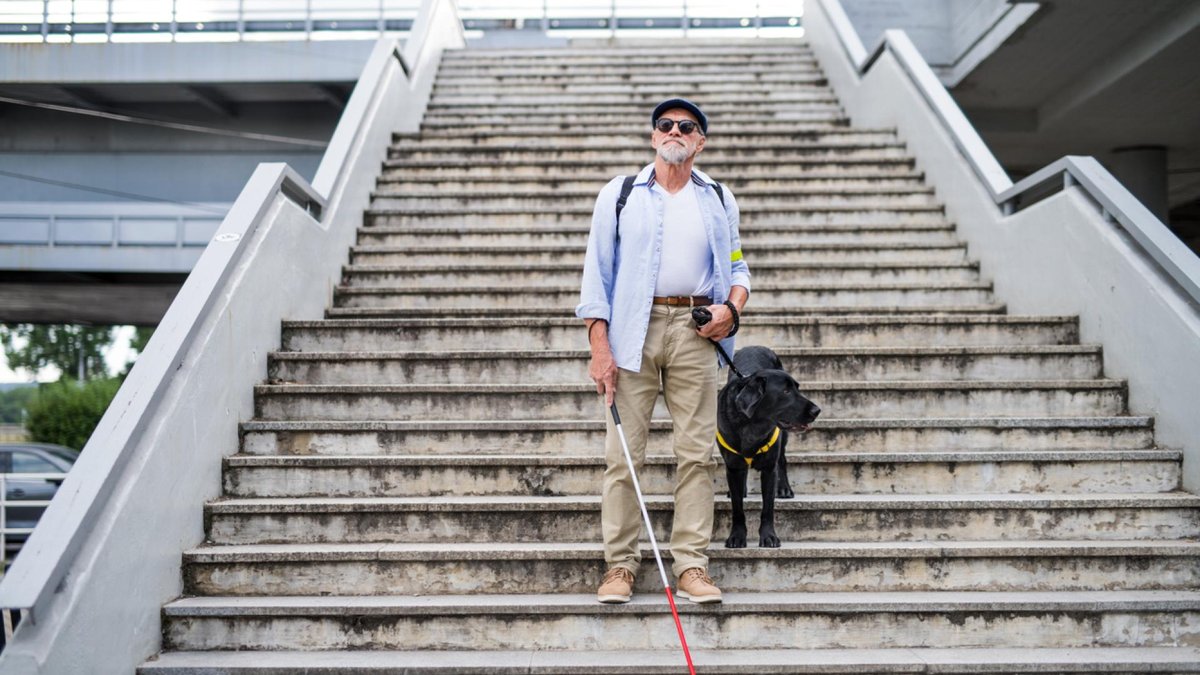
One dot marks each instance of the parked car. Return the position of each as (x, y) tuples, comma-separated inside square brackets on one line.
[(30, 458)]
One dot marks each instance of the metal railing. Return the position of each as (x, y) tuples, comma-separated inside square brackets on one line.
[(171, 20), (1114, 200), (109, 224), (10, 617)]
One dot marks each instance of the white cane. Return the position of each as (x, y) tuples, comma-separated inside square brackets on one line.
[(653, 542)]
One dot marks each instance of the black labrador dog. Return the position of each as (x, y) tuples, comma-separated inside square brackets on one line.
[(755, 412)]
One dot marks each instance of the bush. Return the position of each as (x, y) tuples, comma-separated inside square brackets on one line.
[(13, 402), (66, 412)]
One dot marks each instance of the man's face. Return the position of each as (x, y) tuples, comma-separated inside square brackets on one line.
[(674, 146)]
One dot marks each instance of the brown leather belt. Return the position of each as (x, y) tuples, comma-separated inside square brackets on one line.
[(689, 300)]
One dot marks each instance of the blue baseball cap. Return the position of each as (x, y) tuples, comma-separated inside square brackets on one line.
[(686, 105)]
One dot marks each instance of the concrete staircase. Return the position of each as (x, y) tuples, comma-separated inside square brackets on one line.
[(418, 491)]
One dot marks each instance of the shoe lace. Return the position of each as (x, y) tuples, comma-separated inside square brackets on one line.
[(617, 572), (698, 574)]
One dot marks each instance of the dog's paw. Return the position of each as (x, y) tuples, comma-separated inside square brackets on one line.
[(784, 491), (769, 540), (736, 540)]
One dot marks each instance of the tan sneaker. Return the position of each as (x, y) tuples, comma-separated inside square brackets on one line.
[(697, 586), (617, 586)]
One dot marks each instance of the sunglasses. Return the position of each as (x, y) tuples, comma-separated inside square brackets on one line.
[(686, 127)]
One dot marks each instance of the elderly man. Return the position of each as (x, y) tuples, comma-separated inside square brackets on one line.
[(672, 244)]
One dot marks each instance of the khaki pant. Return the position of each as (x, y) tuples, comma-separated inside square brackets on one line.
[(686, 366)]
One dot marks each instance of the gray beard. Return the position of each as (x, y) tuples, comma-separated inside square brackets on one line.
[(672, 153)]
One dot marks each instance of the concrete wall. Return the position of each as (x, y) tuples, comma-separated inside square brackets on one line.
[(1057, 257), (928, 23), (969, 19)]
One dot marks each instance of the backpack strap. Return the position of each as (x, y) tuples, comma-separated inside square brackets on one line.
[(626, 189)]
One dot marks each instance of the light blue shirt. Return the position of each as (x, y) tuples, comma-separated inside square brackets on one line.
[(619, 276)]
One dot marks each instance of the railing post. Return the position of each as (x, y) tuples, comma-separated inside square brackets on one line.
[(308, 20), (45, 20), (684, 22), (612, 20), (71, 23), (241, 19), (174, 17), (381, 22), (1068, 180), (545, 15), (108, 22)]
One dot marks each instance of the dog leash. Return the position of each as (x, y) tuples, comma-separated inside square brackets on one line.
[(701, 316), (653, 542)]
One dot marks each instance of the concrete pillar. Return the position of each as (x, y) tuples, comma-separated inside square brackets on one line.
[(1143, 170)]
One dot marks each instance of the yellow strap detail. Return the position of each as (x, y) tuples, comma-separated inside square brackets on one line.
[(735, 256), (765, 448)]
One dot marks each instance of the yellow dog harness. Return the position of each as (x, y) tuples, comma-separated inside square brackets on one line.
[(763, 449)]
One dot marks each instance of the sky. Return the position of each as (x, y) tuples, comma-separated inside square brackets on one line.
[(115, 357)]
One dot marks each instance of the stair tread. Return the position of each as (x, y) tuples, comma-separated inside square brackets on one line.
[(733, 602), (590, 550), (804, 503), (1102, 421), (586, 388), (904, 660), (783, 351), (804, 457)]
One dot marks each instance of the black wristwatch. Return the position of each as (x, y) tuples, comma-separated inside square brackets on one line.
[(737, 322)]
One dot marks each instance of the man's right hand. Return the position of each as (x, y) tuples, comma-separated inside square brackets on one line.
[(602, 369)]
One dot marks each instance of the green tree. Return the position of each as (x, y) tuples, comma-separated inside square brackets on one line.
[(66, 412), (71, 349), (12, 404)]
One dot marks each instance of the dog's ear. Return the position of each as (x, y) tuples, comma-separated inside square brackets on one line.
[(750, 395)]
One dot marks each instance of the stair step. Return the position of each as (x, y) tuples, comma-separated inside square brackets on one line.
[(762, 253), (524, 130), (913, 297), (875, 364), (536, 275), (879, 243), (628, 78), (809, 518), (399, 201), (572, 438), (958, 661), (591, 183), (496, 568), (764, 621), (757, 329), (824, 117), (809, 472), (489, 313), (811, 87), (642, 154)]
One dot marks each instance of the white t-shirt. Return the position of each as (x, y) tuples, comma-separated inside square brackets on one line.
[(686, 264)]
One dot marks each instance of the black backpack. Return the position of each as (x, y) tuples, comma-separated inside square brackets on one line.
[(627, 188)]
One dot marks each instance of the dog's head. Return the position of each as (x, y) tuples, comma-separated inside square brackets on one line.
[(773, 395)]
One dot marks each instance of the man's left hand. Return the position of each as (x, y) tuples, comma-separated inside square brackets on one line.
[(721, 324)]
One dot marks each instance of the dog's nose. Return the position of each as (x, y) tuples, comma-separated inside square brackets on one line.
[(813, 410)]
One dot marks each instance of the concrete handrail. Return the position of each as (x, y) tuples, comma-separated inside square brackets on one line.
[(270, 260), (65, 526), (1115, 201)]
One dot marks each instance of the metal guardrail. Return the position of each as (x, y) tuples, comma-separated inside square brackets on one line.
[(10, 617), (108, 224), (139, 20), (1114, 200)]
